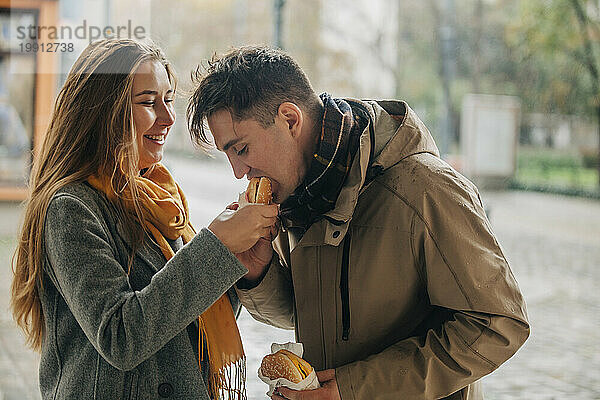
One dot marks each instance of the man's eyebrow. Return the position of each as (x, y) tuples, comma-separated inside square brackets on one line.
[(232, 142)]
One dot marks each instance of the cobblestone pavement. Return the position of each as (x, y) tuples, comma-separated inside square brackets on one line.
[(551, 242), (553, 246), (18, 366)]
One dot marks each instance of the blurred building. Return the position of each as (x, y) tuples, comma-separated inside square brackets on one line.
[(430, 54), (27, 88)]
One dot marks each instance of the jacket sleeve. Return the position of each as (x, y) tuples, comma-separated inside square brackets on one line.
[(272, 300), (125, 326), (469, 283)]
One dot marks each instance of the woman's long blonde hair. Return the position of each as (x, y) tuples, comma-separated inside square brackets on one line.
[(91, 132)]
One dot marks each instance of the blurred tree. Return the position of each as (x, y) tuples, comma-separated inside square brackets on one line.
[(543, 51), (589, 28), (302, 35), (444, 15), (547, 57), (476, 53), (554, 46), (277, 34), (397, 39), (191, 31)]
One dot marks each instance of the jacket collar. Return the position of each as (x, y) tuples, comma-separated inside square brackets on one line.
[(398, 133), (401, 134)]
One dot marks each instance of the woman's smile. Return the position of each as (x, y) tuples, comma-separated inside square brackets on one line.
[(156, 139)]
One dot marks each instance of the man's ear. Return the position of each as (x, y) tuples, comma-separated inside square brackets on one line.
[(293, 117)]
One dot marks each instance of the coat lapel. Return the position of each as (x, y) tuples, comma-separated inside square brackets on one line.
[(149, 252)]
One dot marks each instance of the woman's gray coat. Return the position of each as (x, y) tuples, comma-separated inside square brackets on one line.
[(110, 335)]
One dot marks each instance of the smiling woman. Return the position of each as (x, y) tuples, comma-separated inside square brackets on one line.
[(153, 112), (104, 286)]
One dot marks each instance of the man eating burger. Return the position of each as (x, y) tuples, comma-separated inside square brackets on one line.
[(386, 266)]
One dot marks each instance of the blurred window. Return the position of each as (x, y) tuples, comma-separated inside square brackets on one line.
[(17, 96)]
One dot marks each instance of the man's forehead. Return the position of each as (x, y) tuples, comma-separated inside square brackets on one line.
[(223, 129)]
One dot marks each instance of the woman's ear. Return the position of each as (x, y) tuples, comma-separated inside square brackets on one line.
[(293, 117)]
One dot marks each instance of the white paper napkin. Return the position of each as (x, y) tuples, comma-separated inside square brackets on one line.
[(242, 199)]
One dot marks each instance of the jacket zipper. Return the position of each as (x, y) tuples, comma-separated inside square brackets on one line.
[(345, 294), (322, 315)]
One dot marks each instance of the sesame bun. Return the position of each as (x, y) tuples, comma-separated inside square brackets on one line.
[(259, 191), (285, 364)]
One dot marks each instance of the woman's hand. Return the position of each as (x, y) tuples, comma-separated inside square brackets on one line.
[(240, 229)]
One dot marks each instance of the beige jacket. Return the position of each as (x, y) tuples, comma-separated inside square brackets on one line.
[(409, 295)]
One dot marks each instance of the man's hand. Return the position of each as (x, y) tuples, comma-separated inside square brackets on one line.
[(327, 391), (256, 259)]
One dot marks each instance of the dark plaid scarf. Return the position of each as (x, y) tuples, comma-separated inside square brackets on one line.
[(340, 136)]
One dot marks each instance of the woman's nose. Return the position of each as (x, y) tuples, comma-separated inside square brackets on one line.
[(166, 114)]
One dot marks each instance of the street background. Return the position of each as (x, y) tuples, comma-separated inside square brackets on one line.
[(553, 246), (510, 90)]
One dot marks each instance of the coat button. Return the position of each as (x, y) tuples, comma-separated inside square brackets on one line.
[(336, 234), (165, 390)]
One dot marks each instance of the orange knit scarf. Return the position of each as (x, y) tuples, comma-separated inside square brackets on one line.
[(166, 214)]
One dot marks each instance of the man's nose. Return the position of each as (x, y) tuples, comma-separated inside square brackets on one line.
[(239, 168)]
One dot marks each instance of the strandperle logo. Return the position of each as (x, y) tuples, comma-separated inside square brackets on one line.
[(83, 31)]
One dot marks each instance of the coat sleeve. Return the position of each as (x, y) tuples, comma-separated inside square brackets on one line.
[(469, 283), (125, 326), (272, 300)]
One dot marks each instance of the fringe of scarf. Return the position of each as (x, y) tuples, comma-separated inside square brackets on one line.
[(220, 381)]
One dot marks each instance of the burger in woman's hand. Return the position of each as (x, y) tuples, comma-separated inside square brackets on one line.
[(259, 191)]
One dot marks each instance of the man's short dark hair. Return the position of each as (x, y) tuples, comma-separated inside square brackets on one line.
[(249, 82)]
